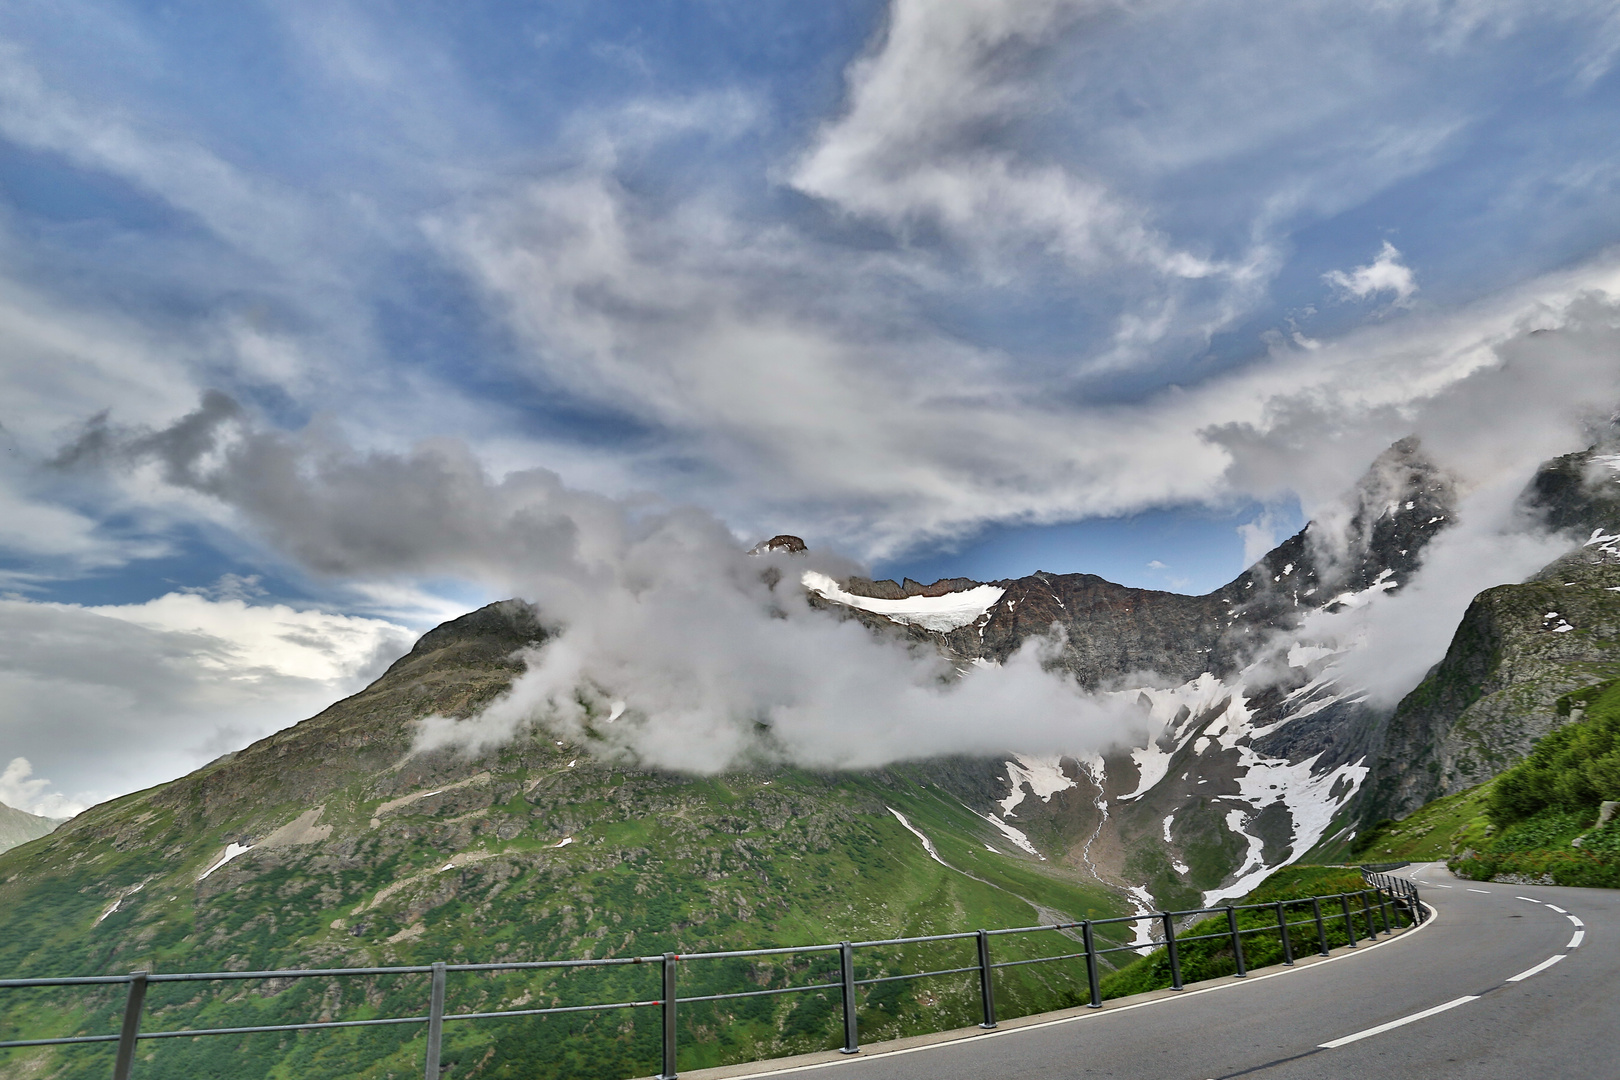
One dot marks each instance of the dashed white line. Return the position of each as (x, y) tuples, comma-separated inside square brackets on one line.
[(1573, 919), (1527, 898), (1437, 885), (1558, 909), (1381, 1028), (1539, 968), (1487, 892), (1574, 942)]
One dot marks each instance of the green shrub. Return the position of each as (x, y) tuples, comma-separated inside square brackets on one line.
[(1541, 806)]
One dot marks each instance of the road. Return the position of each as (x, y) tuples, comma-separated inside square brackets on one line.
[(1466, 969)]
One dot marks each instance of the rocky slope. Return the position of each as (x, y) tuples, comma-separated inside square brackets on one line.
[(1519, 648), (1251, 749)]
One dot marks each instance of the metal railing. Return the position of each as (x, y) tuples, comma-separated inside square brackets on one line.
[(1393, 895)]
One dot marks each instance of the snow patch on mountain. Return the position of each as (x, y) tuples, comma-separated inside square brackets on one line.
[(1198, 697), (940, 614), (232, 850), (1016, 836), (1044, 775), (928, 845)]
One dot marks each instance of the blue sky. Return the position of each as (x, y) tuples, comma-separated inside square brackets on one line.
[(969, 289)]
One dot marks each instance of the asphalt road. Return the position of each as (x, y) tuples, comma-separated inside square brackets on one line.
[(1560, 1023)]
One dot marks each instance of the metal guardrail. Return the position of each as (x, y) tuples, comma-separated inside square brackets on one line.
[(1394, 894)]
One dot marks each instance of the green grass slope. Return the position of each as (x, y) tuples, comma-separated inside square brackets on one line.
[(360, 854), (1544, 814)]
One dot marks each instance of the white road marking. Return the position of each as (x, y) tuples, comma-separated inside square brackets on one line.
[(1574, 942), (1487, 892), (1573, 919), (1539, 968), (1381, 1028), (1527, 898), (1558, 909), (1437, 885)]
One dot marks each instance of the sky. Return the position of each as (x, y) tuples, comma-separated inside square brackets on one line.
[(321, 323)]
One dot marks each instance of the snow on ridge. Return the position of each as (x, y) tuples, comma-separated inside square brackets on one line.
[(928, 845), (1044, 775), (937, 613), (1605, 542)]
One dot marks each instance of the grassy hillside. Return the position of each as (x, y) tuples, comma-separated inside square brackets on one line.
[(1544, 813), (360, 854), (1536, 822)]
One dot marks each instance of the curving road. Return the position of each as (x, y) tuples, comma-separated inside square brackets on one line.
[(1509, 981)]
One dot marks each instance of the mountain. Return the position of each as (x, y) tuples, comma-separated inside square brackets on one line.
[(331, 844), (1518, 650), (1252, 749), (19, 826)]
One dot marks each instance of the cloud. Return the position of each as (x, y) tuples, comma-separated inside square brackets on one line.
[(987, 288), (1384, 274), (20, 792), (107, 699), (719, 664), (1259, 536), (1392, 639)]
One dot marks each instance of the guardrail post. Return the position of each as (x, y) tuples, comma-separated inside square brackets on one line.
[(1175, 953), (668, 1003), (846, 974), (1366, 907), (1282, 929), (435, 1033), (1349, 927), (987, 992), (1091, 963), (1321, 927), (1237, 942), (1383, 910), (1417, 907), (132, 1025)]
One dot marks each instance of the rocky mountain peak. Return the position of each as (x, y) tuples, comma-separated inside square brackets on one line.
[(784, 542)]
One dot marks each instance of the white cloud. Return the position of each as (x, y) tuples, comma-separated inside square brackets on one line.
[(1259, 536), (1385, 274), (107, 699), (21, 790)]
